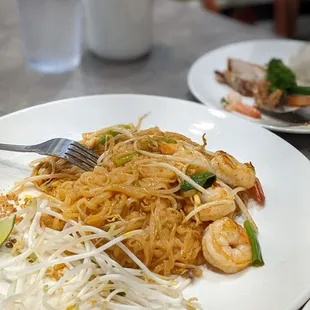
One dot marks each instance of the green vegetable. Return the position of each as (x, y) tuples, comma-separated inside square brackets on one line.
[(108, 134), (257, 258), (300, 90), (167, 140), (6, 227), (112, 133), (205, 179), (280, 76), (125, 159), (224, 103)]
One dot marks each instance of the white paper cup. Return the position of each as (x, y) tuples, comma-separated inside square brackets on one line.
[(119, 29)]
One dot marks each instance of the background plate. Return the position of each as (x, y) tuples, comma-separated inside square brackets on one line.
[(203, 86)]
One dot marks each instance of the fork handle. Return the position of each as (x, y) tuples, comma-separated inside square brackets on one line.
[(17, 148)]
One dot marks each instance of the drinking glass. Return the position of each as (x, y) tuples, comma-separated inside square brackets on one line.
[(51, 32)]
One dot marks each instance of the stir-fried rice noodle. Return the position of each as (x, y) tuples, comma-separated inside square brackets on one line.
[(126, 233)]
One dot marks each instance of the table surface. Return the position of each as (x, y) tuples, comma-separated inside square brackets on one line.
[(182, 33)]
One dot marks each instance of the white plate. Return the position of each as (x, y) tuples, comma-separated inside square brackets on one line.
[(204, 87), (283, 283), (307, 306)]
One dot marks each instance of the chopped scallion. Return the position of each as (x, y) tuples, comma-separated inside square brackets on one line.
[(125, 159), (112, 133), (167, 140), (257, 258)]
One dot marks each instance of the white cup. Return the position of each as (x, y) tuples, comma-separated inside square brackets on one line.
[(119, 29)]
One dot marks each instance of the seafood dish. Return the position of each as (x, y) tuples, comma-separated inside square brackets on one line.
[(157, 209)]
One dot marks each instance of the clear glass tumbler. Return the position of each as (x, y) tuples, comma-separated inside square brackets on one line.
[(51, 33)]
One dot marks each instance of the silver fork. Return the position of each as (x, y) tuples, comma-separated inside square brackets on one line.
[(70, 150)]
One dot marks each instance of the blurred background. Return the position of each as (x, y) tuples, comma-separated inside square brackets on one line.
[(44, 22), (56, 49), (289, 18), (59, 36)]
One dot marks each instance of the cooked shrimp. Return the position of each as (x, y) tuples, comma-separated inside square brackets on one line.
[(231, 171), (226, 246), (218, 193), (234, 103)]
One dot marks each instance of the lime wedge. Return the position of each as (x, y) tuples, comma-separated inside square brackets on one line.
[(6, 227)]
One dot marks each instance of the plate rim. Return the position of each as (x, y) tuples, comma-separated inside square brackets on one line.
[(197, 94), (208, 108)]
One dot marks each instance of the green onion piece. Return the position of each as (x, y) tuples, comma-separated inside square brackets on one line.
[(125, 159), (300, 90), (224, 103), (257, 258), (124, 126), (112, 133), (205, 179), (167, 140), (109, 133)]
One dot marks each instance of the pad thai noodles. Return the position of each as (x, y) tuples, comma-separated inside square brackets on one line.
[(135, 231)]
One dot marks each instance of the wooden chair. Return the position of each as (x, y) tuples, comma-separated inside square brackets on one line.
[(285, 15)]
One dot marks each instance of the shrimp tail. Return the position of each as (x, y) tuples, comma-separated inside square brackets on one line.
[(257, 192), (233, 102)]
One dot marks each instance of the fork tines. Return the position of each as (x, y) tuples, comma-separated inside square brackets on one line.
[(81, 156)]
